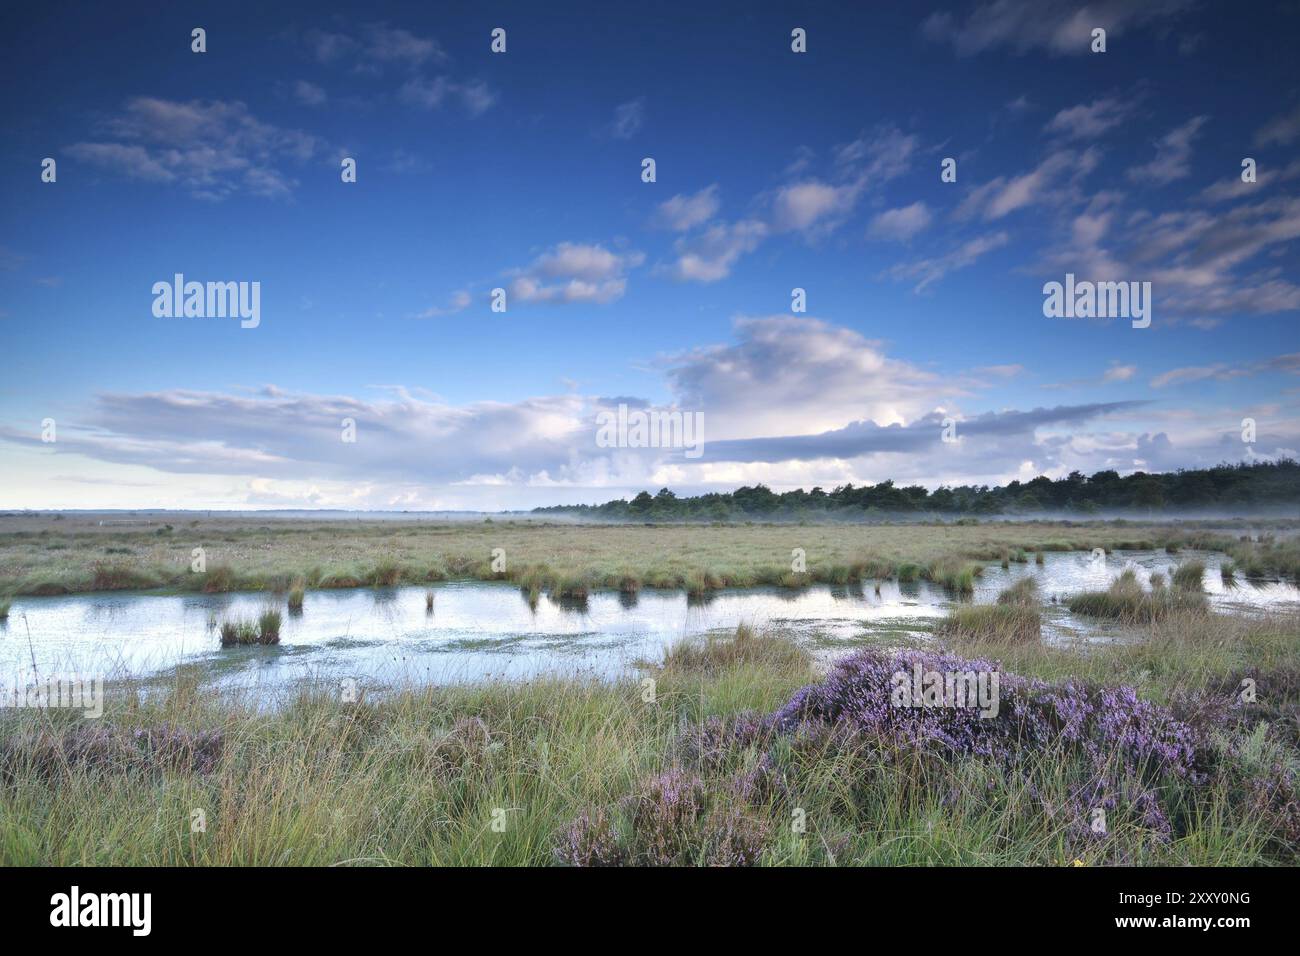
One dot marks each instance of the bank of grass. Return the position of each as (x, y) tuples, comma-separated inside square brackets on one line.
[(1266, 557), (417, 776), (1128, 602), (1014, 619), (745, 648), (954, 574), (270, 555)]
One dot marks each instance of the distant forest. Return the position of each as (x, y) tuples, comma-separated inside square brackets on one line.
[(1227, 487)]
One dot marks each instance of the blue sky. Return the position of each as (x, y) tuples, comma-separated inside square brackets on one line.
[(521, 170)]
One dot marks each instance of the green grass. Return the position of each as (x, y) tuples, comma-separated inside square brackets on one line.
[(1024, 593), (418, 776), (715, 654), (268, 626), (238, 632), (269, 554), (1014, 619), (235, 633), (1127, 602), (955, 575), (1190, 576)]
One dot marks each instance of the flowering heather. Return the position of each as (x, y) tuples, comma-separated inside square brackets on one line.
[(1123, 749), (1125, 745), (670, 821)]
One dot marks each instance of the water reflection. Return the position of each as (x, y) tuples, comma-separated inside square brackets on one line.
[(483, 629)]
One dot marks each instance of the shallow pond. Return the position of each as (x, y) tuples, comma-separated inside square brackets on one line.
[(484, 630)]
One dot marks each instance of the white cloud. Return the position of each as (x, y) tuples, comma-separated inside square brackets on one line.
[(429, 94), (711, 255), (792, 375), (374, 47), (628, 118), (901, 224), (926, 272), (682, 213), (803, 205), (1090, 120), (459, 302), (212, 148), (1281, 130), (1057, 26), (575, 273), (1173, 155), (1049, 181), (309, 94)]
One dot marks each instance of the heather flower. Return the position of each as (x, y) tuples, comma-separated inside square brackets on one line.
[(671, 820)]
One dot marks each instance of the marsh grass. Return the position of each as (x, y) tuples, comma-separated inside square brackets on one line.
[(237, 632), (297, 593), (1126, 601), (412, 777), (907, 572), (1023, 592), (5, 605), (268, 626), (992, 624), (385, 574), (955, 575), (1014, 619), (1267, 557), (1189, 576), (714, 654), (269, 555)]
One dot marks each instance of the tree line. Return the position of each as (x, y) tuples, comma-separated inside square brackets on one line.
[(1261, 485)]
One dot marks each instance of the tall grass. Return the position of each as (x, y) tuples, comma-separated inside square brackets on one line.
[(265, 630), (269, 555), (1126, 600), (418, 776), (1189, 576), (955, 575), (1014, 619), (714, 654)]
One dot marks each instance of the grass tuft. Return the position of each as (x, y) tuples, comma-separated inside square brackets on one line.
[(297, 592), (1127, 602)]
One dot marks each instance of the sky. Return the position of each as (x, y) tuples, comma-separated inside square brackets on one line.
[(522, 170)]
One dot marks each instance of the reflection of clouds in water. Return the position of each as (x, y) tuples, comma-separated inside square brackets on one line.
[(480, 630)]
